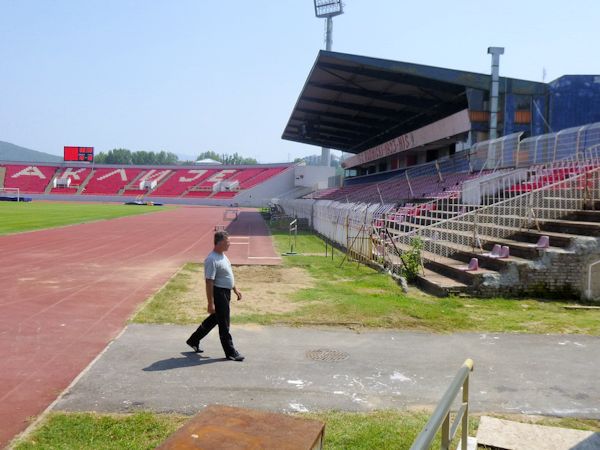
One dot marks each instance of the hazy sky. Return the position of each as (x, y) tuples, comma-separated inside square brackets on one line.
[(196, 75)]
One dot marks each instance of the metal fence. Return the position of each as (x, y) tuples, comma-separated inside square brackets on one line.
[(505, 217), (510, 151), (509, 185)]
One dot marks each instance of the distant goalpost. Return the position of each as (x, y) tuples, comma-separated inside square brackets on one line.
[(10, 193)]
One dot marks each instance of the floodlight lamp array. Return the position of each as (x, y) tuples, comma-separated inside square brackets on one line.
[(328, 8)]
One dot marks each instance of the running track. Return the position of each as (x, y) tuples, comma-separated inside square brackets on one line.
[(66, 292)]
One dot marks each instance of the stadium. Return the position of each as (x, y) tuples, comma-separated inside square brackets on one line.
[(482, 191)]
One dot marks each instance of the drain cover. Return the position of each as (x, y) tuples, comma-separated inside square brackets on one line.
[(323, 354)]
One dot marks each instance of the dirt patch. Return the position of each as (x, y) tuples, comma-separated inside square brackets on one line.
[(265, 289)]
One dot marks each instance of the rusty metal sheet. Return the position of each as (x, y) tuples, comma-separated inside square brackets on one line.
[(225, 427)]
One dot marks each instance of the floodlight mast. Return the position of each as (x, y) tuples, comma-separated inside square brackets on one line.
[(328, 9)]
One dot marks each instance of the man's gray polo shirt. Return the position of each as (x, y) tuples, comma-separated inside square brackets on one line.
[(218, 268)]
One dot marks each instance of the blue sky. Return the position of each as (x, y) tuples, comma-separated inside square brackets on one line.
[(193, 75)]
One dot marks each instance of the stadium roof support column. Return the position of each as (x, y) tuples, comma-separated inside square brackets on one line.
[(495, 52), (328, 9), (325, 152)]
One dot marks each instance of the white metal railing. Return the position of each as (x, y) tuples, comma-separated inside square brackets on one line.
[(501, 219)]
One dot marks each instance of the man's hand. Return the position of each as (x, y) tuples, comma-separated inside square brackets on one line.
[(209, 296), (238, 293)]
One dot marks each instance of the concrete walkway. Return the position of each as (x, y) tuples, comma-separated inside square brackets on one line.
[(149, 367)]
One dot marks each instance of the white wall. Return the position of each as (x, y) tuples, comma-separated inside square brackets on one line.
[(313, 176), (262, 194)]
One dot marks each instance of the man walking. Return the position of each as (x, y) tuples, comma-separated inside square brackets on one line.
[(219, 284)]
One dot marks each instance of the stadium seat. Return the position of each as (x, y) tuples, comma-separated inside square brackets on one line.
[(542, 243), (495, 253), (473, 265)]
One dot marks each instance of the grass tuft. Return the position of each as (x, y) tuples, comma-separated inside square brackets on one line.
[(63, 431)]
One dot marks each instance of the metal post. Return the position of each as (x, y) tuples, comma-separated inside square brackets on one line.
[(465, 419), (325, 152), (494, 89)]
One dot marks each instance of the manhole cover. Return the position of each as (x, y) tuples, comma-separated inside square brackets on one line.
[(324, 354)]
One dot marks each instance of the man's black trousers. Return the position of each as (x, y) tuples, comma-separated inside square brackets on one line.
[(222, 297)]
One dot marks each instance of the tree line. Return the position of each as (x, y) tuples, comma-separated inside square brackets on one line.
[(128, 157)]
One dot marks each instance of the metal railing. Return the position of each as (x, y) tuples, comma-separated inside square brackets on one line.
[(441, 416), (500, 220)]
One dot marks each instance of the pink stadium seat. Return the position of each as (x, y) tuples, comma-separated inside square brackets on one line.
[(473, 265), (495, 253), (542, 243), (505, 252)]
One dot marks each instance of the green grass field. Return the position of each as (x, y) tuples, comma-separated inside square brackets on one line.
[(343, 430), (353, 295), (19, 217)]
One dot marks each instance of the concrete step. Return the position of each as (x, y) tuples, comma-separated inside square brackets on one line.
[(449, 267), (584, 216), (507, 434), (530, 236), (50, 184), (517, 248), (439, 285), (464, 253), (82, 186), (570, 226), (162, 181), (562, 225)]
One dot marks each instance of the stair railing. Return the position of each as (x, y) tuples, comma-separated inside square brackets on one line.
[(440, 419)]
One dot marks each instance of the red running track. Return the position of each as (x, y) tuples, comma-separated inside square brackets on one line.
[(66, 292)]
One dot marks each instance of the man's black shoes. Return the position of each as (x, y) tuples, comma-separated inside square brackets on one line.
[(235, 357), (195, 347)]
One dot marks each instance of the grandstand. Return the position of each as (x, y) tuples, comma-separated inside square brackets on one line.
[(210, 185), (514, 215)]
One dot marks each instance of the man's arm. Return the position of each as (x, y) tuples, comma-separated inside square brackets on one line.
[(209, 296), (238, 293)]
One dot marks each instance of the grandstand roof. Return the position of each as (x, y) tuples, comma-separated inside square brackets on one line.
[(353, 103)]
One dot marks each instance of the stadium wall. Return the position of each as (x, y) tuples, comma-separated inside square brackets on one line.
[(574, 100), (261, 195)]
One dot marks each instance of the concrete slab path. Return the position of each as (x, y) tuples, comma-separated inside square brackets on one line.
[(149, 367)]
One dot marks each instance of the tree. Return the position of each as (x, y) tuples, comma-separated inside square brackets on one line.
[(118, 156), (208, 155), (139, 158), (235, 159)]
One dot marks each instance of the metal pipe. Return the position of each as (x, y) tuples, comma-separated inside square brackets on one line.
[(440, 415), (326, 152), (588, 292)]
